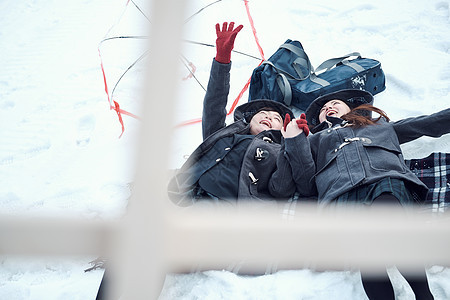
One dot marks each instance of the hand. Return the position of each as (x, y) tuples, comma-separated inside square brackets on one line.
[(287, 120), (290, 128), (295, 127), (302, 124), (225, 41)]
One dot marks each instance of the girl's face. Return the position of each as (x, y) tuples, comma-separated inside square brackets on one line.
[(265, 120), (334, 108)]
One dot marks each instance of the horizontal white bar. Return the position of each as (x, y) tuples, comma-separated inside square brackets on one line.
[(330, 240), (54, 236), (252, 236)]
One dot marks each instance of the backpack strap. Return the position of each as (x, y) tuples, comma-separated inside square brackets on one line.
[(301, 61), (318, 80), (283, 82), (285, 88), (330, 63)]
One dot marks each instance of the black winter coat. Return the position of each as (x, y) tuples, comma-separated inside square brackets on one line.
[(346, 157), (265, 172)]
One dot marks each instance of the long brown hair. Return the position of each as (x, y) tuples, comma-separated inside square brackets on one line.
[(358, 116)]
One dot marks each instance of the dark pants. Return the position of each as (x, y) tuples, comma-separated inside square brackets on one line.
[(380, 287), (101, 294)]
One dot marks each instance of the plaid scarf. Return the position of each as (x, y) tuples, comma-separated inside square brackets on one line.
[(434, 172)]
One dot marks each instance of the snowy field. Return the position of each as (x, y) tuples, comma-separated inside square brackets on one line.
[(60, 150)]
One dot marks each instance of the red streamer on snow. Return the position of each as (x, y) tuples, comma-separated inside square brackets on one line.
[(104, 76), (235, 102), (252, 24), (261, 52), (191, 72), (117, 109), (120, 111), (116, 106), (189, 122)]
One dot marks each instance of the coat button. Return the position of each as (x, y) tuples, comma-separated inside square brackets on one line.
[(252, 177), (227, 148), (217, 160)]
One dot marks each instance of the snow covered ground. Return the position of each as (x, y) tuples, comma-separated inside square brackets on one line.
[(60, 150)]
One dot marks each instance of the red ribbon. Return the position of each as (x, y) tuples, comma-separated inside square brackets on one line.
[(244, 89), (120, 111)]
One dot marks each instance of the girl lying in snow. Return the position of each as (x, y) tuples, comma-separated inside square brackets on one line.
[(244, 160), (358, 160)]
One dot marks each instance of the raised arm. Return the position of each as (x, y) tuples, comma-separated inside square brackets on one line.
[(434, 125), (215, 101)]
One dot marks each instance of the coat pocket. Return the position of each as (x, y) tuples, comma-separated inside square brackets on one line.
[(385, 158)]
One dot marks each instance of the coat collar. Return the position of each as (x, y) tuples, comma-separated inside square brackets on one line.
[(328, 123)]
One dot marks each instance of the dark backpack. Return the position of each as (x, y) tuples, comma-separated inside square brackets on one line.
[(288, 77)]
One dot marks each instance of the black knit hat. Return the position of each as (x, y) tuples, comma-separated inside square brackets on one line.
[(352, 97), (248, 110)]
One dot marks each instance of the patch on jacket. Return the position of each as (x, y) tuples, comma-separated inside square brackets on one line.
[(261, 154)]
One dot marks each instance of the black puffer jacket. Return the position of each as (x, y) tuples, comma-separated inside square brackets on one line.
[(265, 172)]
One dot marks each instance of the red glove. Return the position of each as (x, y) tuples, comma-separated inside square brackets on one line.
[(302, 124), (225, 41), (287, 120)]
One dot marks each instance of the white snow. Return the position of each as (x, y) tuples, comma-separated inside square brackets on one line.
[(60, 149)]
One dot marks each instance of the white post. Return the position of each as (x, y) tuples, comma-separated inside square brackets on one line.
[(139, 267)]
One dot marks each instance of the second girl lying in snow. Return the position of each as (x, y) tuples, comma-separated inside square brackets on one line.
[(247, 159)]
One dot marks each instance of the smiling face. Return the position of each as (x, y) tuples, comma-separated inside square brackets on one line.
[(334, 108), (265, 120)]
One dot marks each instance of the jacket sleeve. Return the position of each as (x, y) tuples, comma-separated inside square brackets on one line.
[(215, 101), (295, 169), (434, 125)]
